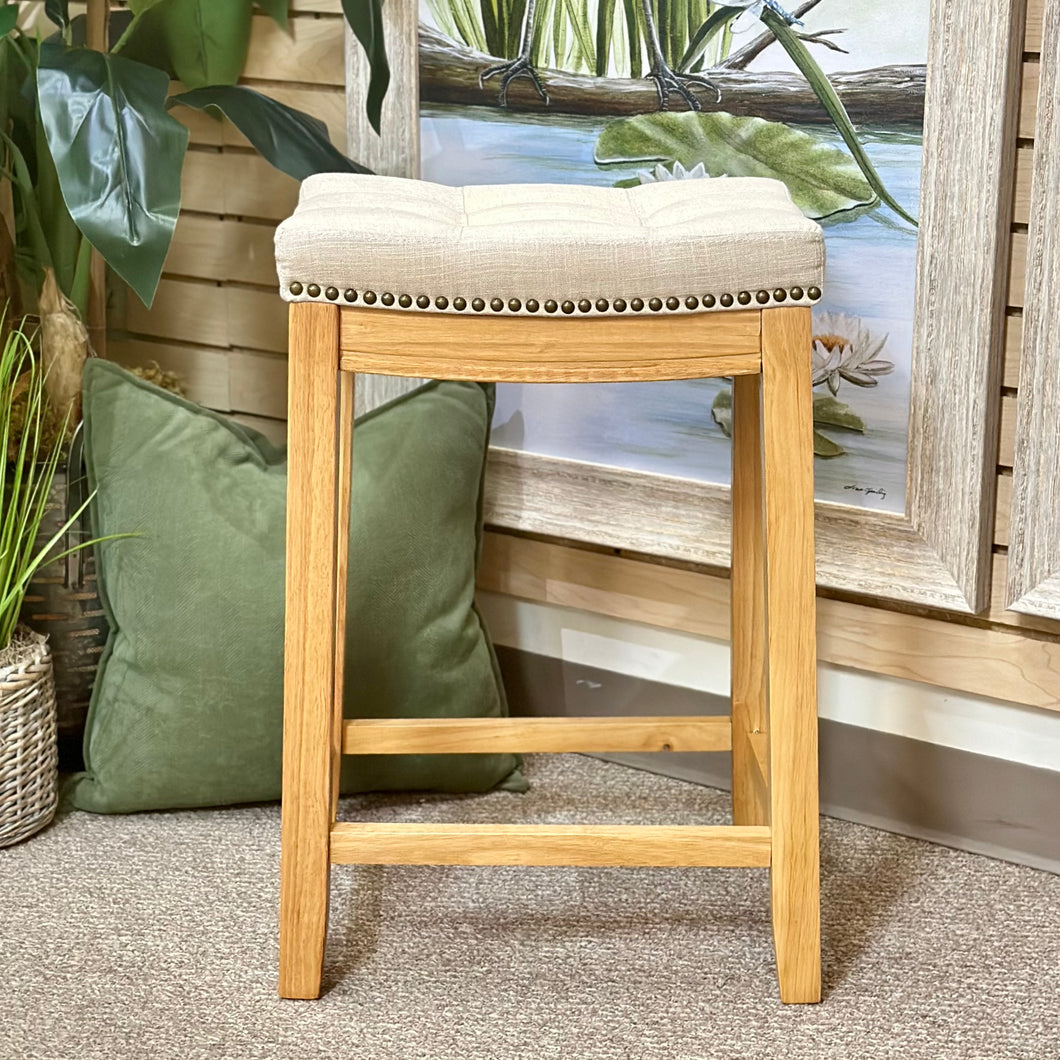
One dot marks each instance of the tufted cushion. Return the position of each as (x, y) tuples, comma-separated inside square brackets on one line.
[(691, 245)]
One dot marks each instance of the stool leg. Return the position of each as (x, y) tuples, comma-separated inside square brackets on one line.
[(792, 657), (748, 601), (309, 759)]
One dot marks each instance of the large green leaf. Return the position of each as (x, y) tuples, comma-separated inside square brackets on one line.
[(57, 11), (822, 179), (366, 20), (292, 141), (275, 9), (118, 155), (8, 18), (204, 42)]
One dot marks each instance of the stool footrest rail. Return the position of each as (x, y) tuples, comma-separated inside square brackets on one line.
[(551, 844), (535, 735)]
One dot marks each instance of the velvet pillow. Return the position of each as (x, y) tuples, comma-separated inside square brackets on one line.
[(187, 705)]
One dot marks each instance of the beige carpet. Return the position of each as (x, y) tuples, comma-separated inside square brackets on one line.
[(153, 936)]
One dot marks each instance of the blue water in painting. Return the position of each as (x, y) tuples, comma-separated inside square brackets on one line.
[(666, 428)]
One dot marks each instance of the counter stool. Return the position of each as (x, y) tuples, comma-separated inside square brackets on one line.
[(545, 284)]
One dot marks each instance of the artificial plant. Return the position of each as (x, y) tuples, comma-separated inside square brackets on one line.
[(93, 156)]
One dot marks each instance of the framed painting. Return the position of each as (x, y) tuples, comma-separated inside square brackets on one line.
[(896, 132)]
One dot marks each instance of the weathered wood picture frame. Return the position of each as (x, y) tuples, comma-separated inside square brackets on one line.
[(1034, 534), (937, 552)]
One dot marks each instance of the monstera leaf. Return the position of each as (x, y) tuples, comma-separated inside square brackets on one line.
[(822, 179), (202, 42), (291, 140), (118, 156)]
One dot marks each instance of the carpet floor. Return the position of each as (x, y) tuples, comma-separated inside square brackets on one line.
[(154, 936)]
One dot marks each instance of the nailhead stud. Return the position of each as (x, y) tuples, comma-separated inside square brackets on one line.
[(478, 304), (331, 294), (460, 304), (532, 305), (387, 299), (514, 305), (296, 288), (551, 306), (762, 297), (423, 301), (744, 297), (691, 302), (568, 307), (708, 301), (673, 302), (796, 293), (404, 300), (779, 294), (496, 304), (602, 305), (369, 297), (584, 305), (814, 293), (655, 305), (636, 304), (442, 302), (350, 294), (726, 300), (619, 305), (313, 290)]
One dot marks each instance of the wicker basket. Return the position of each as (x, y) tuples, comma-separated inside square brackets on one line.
[(28, 750), (62, 602)]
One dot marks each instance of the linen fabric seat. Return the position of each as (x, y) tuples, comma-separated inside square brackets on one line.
[(523, 249), (557, 284)]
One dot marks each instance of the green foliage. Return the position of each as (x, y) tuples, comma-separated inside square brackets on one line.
[(822, 179), (105, 116), (91, 152), (29, 454), (366, 20), (293, 142)]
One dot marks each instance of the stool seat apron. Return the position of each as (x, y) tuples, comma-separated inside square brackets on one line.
[(686, 246)]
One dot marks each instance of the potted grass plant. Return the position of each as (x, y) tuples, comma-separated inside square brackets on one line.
[(30, 450)]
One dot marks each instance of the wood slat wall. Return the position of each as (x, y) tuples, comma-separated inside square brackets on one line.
[(218, 322)]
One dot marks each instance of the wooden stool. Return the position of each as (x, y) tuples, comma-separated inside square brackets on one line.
[(545, 284)]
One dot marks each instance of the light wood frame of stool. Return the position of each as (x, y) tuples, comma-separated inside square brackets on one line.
[(773, 729)]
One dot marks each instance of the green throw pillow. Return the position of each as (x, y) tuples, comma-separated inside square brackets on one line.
[(187, 706)]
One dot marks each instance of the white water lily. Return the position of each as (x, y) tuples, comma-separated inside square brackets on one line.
[(843, 348), (660, 172)]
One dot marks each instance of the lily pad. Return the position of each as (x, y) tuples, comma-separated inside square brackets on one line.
[(828, 412), (822, 179)]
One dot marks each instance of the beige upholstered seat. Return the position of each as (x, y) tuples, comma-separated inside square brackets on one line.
[(673, 246)]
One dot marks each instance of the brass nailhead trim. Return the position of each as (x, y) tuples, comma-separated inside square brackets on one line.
[(583, 305)]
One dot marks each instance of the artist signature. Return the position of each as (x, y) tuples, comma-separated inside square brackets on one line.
[(867, 490)]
